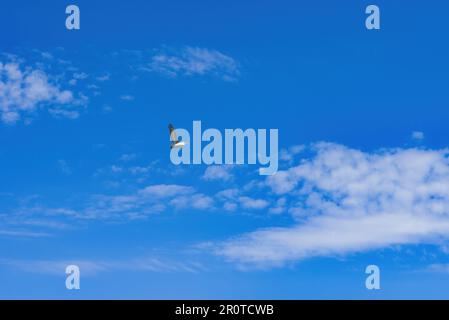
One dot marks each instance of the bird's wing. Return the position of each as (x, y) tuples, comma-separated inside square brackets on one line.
[(171, 129)]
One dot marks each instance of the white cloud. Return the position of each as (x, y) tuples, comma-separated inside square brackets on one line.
[(229, 198), (94, 267), (161, 191), (127, 97), (228, 194), (61, 113), (153, 199), (289, 154), (116, 169), (250, 203), (64, 167), (46, 55), (24, 90), (195, 61), (22, 233), (128, 157), (230, 206), (417, 135), (80, 76), (196, 201), (103, 78), (222, 173), (439, 267), (54, 267), (333, 235), (282, 182), (139, 170), (10, 117), (280, 206), (107, 108), (349, 201)]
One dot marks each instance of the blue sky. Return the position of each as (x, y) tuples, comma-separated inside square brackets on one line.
[(85, 174)]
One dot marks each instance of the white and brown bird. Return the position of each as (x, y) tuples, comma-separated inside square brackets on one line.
[(174, 142)]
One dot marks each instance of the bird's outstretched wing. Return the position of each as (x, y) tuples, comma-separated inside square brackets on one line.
[(173, 137)]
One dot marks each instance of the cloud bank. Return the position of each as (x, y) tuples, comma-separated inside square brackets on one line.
[(345, 201)]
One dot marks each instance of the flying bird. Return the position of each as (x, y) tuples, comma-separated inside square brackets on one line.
[(174, 142)]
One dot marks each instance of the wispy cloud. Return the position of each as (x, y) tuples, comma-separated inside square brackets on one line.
[(128, 157), (46, 55), (162, 191), (417, 135), (23, 90), (439, 268), (192, 61), (23, 233), (144, 202), (64, 167), (127, 97), (103, 78), (94, 267), (61, 113)]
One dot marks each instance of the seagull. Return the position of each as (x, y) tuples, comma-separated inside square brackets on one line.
[(174, 142)]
